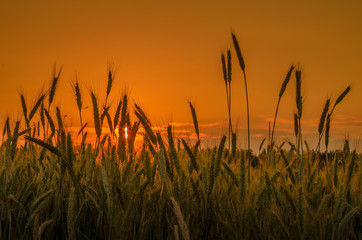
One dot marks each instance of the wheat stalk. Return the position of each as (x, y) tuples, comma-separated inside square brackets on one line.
[(323, 120), (299, 103), (97, 123), (242, 66), (194, 118), (54, 85), (78, 98), (180, 219), (338, 100), (282, 90)]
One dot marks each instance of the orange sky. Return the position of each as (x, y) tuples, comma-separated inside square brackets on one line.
[(168, 52)]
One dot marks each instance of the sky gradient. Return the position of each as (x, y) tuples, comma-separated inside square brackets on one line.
[(165, 53)]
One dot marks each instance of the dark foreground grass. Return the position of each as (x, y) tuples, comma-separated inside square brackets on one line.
[(52, 188)]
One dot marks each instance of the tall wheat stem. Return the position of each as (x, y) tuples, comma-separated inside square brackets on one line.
[(247, 109), (275, 119), (282, 90), (229, 103), (230, 125), (227, 79)]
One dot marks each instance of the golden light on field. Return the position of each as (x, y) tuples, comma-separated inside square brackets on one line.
[(116, 131)]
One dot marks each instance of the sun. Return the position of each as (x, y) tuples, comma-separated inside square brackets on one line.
[(116, 131)]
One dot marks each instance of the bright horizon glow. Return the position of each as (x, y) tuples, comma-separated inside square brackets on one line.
[(116, 131)]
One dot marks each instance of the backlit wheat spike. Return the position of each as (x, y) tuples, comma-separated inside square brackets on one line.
[(194, 118), (191, 155), (78, 94), (110, 80), (14, 140), (97, 124), (7, 128), (343, 95), (323, 116), (25, 110), (286, 81), (242, 66), (229, 66), (233, 145), (141, 112), (162, 147), (42, 117), (261, 144), (45, 145), (223, 63), (238, 52), (231, 173), (118, 112), (145, 123), (36, 106), (104, 113), (123, 120), (54, 85), (59, 118), (299, 100), (109, 120), (282, 90), (50, 121), (339, 99), (78, 98), (299, 103), (172, 149)]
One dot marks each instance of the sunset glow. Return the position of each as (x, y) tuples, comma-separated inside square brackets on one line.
[(170, 57)]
